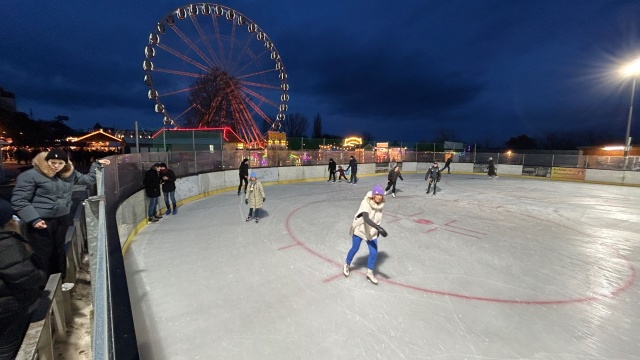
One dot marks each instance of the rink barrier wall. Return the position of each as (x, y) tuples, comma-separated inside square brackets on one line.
[(131, 215)]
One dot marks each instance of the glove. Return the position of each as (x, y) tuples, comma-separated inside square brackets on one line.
[(246, 201), (264, 199), (382, 231)]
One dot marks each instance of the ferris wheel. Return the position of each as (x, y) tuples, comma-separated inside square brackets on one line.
[(207, 65)]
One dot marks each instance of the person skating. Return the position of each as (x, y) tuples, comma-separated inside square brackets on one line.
[(243, 173), (20, 283), (255, 198), (341, 174), (151, 183), (491, 169), (433, 176), (42, 198), (447, 165), (366, 226), (168, 182), (332, 170), (353, 165), (393, 176)]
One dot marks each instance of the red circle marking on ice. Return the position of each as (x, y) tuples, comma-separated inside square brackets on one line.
[(625, 285)]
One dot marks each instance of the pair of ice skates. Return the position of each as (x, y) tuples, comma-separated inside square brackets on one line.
[(249, 219), (370, 276)]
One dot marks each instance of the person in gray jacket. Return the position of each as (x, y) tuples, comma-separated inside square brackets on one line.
[(42, 199)]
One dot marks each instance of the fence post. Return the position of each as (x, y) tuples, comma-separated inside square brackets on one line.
[(552, 159)]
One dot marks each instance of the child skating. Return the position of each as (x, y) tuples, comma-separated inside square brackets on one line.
[(366, 226), (255, 197)]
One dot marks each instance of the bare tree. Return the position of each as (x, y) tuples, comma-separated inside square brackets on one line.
[(317, 126), (295, 125)]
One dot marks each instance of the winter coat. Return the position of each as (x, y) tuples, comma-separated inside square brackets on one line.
[(433, 173), (491, 169), (20, 280), (243, 171), (332, 166), (168, 185), (353, 165), (42, 193), (151, 183), (359, 227), (256, 194), (394, 175)]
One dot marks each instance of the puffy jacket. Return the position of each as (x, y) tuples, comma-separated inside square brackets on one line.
[(20, 281), (41, 193), (256, 194), (168, 185), (151, 182), (359, 227), (394, 175)]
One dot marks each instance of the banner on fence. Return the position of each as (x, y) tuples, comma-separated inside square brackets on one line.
[(542, 171), (568, 173)]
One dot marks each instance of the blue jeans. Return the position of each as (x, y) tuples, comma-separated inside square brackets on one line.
[(373, 251), (153, 202), (173, 199)]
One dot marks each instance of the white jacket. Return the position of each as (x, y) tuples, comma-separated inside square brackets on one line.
[(361, 228)]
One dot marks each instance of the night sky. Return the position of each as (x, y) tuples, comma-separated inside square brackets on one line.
[(479, 71)]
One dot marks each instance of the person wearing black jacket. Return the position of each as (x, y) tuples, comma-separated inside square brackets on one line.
[(243, 173), (353, 165), (168, 181), (332, 170), (151, 183), (433, 175), (20, 284), (393, 176)]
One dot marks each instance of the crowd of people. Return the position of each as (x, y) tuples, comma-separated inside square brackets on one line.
[(41, 200)]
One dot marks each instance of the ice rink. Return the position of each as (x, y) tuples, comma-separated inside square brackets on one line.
[(510, 268)]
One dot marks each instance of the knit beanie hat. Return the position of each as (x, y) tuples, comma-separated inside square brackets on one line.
[(377, 190), (57, 154), (253, 175), (6, 212)]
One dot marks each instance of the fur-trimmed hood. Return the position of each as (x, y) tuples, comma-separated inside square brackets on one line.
[(40, 164)]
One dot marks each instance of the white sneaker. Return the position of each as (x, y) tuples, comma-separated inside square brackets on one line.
[(371, 277), (393, 194), (345, 270), (67, 286)]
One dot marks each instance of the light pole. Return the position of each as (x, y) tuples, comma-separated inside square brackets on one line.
[(631, 70)]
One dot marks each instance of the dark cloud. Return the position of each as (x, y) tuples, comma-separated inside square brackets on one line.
[(486, 69)]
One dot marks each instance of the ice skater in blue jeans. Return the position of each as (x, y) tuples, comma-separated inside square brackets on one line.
[(366, 226)]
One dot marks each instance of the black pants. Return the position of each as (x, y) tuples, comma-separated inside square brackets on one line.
[(12, 331), (446, 166), (48, 245), (354, 178), (246, 183), (332, 174), (391, 184)]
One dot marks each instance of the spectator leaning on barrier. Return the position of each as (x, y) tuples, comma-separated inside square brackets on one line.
[(20, 283), (168, 179), (151, 183), (42, 199)]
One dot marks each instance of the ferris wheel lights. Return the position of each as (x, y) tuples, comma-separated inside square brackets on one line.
[(159, 108), (147, 80), (284, 97), (149, 51), (241, 20), (231, 14), (217, 10), (283, 107), (268, 44), (152, 94), (147, 65), (282, 76), (260, 36), (161, 28), (193, 9), (253, 27), (206, 9), (284, 86), (181, 13), (154, 39)]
